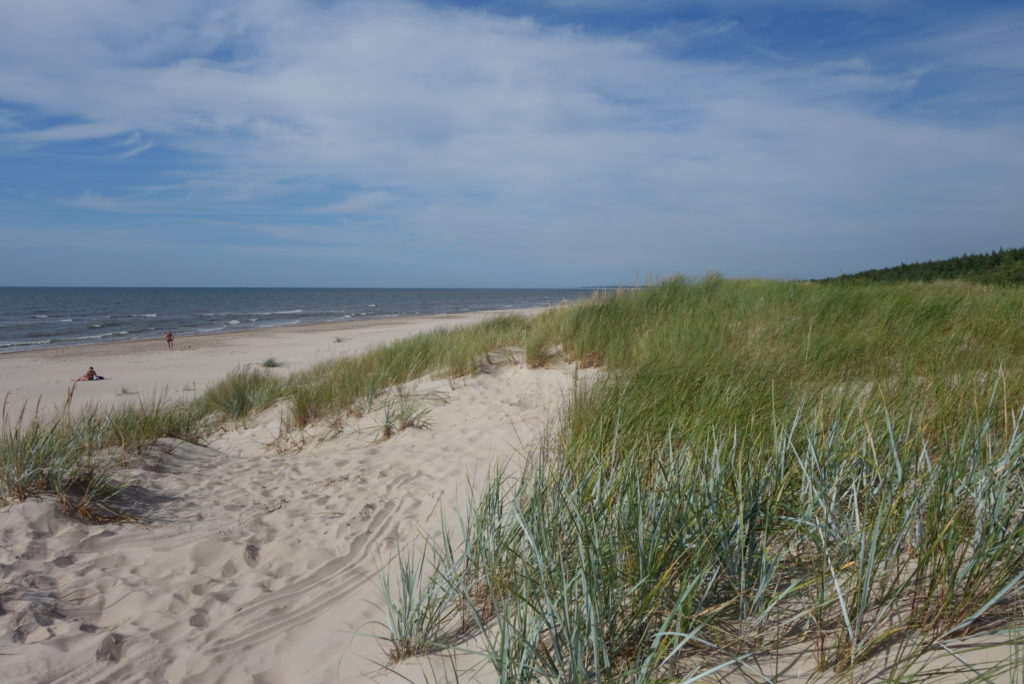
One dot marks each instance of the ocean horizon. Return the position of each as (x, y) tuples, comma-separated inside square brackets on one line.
[(46, 317)]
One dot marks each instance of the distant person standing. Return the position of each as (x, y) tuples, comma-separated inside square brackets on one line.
[(170, 339)]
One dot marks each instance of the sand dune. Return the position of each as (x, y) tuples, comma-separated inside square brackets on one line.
[(256, 559)]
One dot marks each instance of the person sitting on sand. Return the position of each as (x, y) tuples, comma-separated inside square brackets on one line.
[(90, 374), (170, 339)]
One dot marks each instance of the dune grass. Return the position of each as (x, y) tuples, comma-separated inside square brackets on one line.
[(241, 394), (342, 385), (764, 468), (76, 456)]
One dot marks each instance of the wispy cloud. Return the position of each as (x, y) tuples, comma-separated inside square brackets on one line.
[(135, 144), (375, 202), (464, 127), (92, 200)]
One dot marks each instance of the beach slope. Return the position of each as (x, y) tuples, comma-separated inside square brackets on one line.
[(255, 556)]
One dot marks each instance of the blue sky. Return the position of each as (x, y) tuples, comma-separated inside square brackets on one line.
[(502, 144)]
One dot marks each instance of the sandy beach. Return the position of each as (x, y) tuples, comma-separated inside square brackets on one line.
[(253, 560), (146, 368)]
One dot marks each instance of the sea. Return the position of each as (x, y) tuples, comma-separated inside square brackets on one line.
[(42, 317)]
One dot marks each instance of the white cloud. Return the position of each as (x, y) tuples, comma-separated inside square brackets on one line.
[(136, 144), (375, 201), (95, 201), (467, 127)]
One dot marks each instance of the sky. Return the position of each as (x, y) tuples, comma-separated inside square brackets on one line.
[(492, 143)]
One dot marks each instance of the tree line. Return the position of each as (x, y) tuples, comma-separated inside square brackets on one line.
[(1001, 267)]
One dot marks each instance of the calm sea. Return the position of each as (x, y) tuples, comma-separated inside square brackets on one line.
[(40, 317)]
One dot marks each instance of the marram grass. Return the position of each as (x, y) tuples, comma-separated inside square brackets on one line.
[(764, 469), (75, 456)]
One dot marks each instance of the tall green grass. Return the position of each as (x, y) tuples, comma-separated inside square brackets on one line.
[(342, 385), (76, 456), (764, 467), (244, 392)]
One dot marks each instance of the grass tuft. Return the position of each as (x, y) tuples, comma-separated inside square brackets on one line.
[(243, 393), (76, 457)]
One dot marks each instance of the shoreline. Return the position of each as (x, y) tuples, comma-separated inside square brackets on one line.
[(36, 319), (367, 321), (39, 380)]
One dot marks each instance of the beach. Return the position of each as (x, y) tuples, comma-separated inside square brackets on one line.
[(146, 368), (253, 557)]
